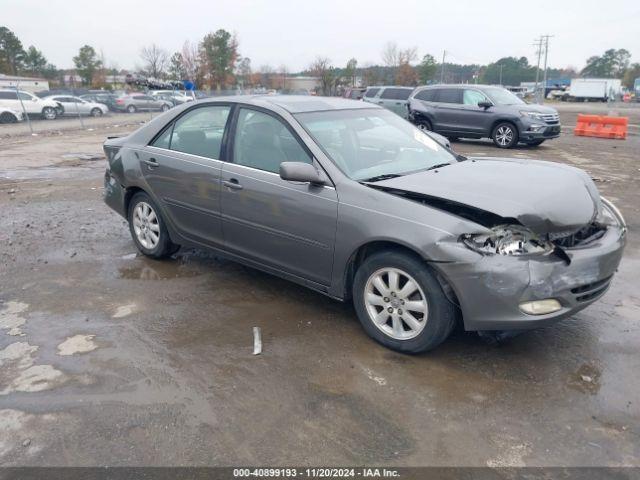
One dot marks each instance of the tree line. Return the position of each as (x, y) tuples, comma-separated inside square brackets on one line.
[(216, 63)]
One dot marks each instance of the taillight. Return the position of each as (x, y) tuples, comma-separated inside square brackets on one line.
[(119, 101)]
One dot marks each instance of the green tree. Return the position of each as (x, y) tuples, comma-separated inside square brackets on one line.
[(612, 64), (11, 52), (630, 75), (34, 61), (177, 70), (350, 71), (219, 53), (427, 69), (512, 70), (87, 63)]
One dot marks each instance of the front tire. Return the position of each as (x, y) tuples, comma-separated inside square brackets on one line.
[(165, 107), (132, 109), (505, 135), (49, 113), (148, 228), (96, 112), (424, 125), (400, 303)]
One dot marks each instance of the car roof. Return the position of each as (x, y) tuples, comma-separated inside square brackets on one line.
[(391, 86), (461, 85), (295, 103)]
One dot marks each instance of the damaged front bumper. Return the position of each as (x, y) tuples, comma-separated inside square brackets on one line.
[(491, 289)]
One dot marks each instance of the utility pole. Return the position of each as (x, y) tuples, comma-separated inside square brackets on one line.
[(539, 52), (544, 81), (444, 52), (501, 74)]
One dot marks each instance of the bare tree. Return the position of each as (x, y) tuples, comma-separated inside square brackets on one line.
[(191, 63), (390, 54), (322, 68), (155, 60)]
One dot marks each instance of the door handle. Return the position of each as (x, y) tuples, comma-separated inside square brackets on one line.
[(152, 163), (233, 184)]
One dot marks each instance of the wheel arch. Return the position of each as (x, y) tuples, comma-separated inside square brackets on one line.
[(365, 250), (508, 120)]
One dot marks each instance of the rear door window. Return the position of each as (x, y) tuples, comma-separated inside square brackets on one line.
[(449, 95), (8, 96), (371, 92), (199, 132), (426, 95)]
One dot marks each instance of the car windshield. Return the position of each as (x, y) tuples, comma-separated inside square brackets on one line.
[(370, 143), (502, 96)]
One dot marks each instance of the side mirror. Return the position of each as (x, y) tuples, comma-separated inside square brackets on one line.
[(485, 104), (301, 172)]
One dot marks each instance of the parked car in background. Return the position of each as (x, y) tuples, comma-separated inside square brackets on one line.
[(140, 102), (22, 101), (348, 199), (173, 97), (8, 115), (77, 106), (392, 98), (354, 93), (482, 111), (108, 99)]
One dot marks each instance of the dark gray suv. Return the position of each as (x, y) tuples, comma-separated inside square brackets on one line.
[(482, 111)]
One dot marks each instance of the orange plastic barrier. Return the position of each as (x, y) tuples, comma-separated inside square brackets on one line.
[(602, 127)]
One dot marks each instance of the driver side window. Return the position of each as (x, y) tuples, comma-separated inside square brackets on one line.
[(472, 97), (264, 142)]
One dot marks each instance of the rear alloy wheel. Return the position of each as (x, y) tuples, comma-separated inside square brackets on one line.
[(401, 304), (7, 117), (147, 228), (132, 109), (96, 112), (49, 113), (505, 135)]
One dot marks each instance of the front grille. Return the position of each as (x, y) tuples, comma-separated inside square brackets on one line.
[(589, 291), (550, 117)]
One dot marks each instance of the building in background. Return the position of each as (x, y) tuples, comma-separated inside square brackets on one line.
[(28, 84)]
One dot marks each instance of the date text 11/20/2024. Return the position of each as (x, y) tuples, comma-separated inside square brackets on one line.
[(320, 472)]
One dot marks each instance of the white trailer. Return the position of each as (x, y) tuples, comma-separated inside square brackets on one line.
[(593, 89)]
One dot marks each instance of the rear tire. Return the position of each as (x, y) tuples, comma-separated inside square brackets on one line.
[(7, 117), (132, 109), (148, 228), (96, 112), (393, 312), (165, 107), (505, 135)]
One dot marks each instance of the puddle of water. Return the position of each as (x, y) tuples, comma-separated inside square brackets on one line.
[(161, 271)]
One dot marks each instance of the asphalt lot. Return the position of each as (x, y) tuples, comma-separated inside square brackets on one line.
[(108, 358)]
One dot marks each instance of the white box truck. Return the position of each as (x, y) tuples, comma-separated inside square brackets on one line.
[(593, 90)]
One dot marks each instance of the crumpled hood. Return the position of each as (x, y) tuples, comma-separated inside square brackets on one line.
[(543, 196)]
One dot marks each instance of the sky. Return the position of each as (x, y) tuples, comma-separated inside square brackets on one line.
[(293, 33)]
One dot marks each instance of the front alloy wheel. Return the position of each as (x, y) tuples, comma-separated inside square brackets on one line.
[(401, 304), (396, 304), (49, 113), (505, 135)]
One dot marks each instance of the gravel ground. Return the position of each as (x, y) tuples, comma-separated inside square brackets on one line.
[(109, 358)]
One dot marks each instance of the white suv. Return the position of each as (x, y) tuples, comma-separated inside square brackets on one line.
[(34, 106)]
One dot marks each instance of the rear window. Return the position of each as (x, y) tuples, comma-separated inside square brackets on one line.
[(371, 92), (426, 95), (449, 95)]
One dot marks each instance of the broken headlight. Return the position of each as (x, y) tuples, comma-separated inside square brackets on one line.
[(507, 240)]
